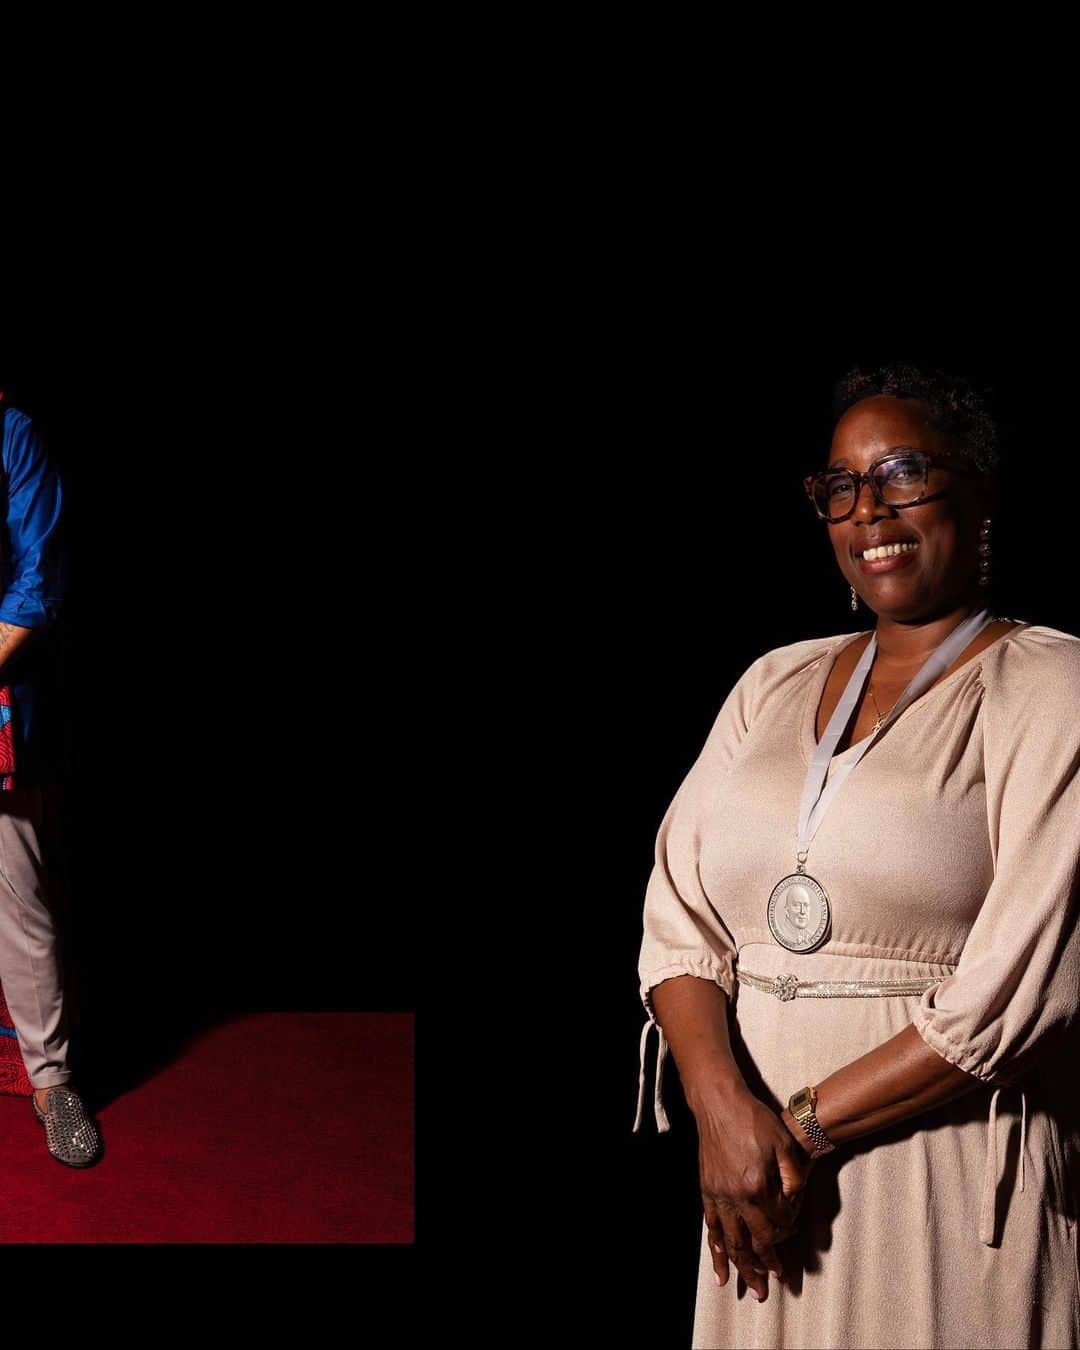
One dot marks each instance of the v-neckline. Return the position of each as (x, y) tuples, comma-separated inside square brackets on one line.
[(827, 663)]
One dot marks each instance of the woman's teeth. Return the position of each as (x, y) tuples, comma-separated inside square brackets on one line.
[(887, 551)]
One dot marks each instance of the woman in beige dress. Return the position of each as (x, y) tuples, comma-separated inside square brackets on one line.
[(869, 980)]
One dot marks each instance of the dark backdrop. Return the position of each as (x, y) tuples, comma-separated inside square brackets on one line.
[(221, 775)]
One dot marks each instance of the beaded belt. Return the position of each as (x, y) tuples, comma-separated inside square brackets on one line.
[(787, 986)]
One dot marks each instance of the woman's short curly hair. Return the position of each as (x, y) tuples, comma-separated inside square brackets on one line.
[(959, 408)]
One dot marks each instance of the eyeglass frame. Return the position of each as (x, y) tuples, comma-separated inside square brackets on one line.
[(897, 452)]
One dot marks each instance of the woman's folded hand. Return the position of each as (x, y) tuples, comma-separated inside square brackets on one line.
[(752, 1175)]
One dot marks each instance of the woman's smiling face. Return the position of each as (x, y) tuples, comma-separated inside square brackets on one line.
[(942, 570)]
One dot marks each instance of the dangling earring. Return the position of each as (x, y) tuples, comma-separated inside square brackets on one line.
[(854, 599), (984, 553)]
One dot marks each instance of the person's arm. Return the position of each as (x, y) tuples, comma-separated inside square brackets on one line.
[(683, 933), (1016, 986), (899, 1078), (751, 1174), (13, 638), (33, 500), (749, 1166), (751, 1171), (694, 1016)]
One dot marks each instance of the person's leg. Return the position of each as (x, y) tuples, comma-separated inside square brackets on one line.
[(31, 963)]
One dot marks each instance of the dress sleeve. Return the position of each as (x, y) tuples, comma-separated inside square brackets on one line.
[(683, 932), (1016, 987)]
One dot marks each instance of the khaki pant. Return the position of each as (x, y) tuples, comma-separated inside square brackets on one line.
[(31, 964)]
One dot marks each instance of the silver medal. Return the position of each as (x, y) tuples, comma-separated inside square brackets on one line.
[(799, 913)]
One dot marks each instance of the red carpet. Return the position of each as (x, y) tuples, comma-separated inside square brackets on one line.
[(273, 1127)]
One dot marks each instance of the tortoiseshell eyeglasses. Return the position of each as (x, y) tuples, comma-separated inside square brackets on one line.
[(899, 478)]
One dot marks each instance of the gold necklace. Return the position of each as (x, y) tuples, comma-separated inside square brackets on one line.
[(880, 714)]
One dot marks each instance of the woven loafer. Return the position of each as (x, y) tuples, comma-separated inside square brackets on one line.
[(70, 1135)]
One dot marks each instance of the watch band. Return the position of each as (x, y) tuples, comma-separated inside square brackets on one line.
[(801, 1106)]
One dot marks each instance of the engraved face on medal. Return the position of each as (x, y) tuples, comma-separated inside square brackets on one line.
[(799, 913)]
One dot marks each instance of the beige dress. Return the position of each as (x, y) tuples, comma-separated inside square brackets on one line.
[(952, 850)]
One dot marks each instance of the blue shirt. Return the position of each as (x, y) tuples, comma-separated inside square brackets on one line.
[(33, 575)]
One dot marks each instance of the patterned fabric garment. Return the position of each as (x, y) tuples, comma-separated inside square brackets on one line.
[(14, 1080), (7, 741)]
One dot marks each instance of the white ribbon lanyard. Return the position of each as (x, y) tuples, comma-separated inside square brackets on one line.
[(811, 814)]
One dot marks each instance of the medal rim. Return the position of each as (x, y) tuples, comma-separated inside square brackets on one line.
[(813, 946)]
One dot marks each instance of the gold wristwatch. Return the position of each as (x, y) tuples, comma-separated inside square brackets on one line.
[(801, 1106)]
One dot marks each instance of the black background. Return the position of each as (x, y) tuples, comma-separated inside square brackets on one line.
[(217, 792), (230, 812)]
